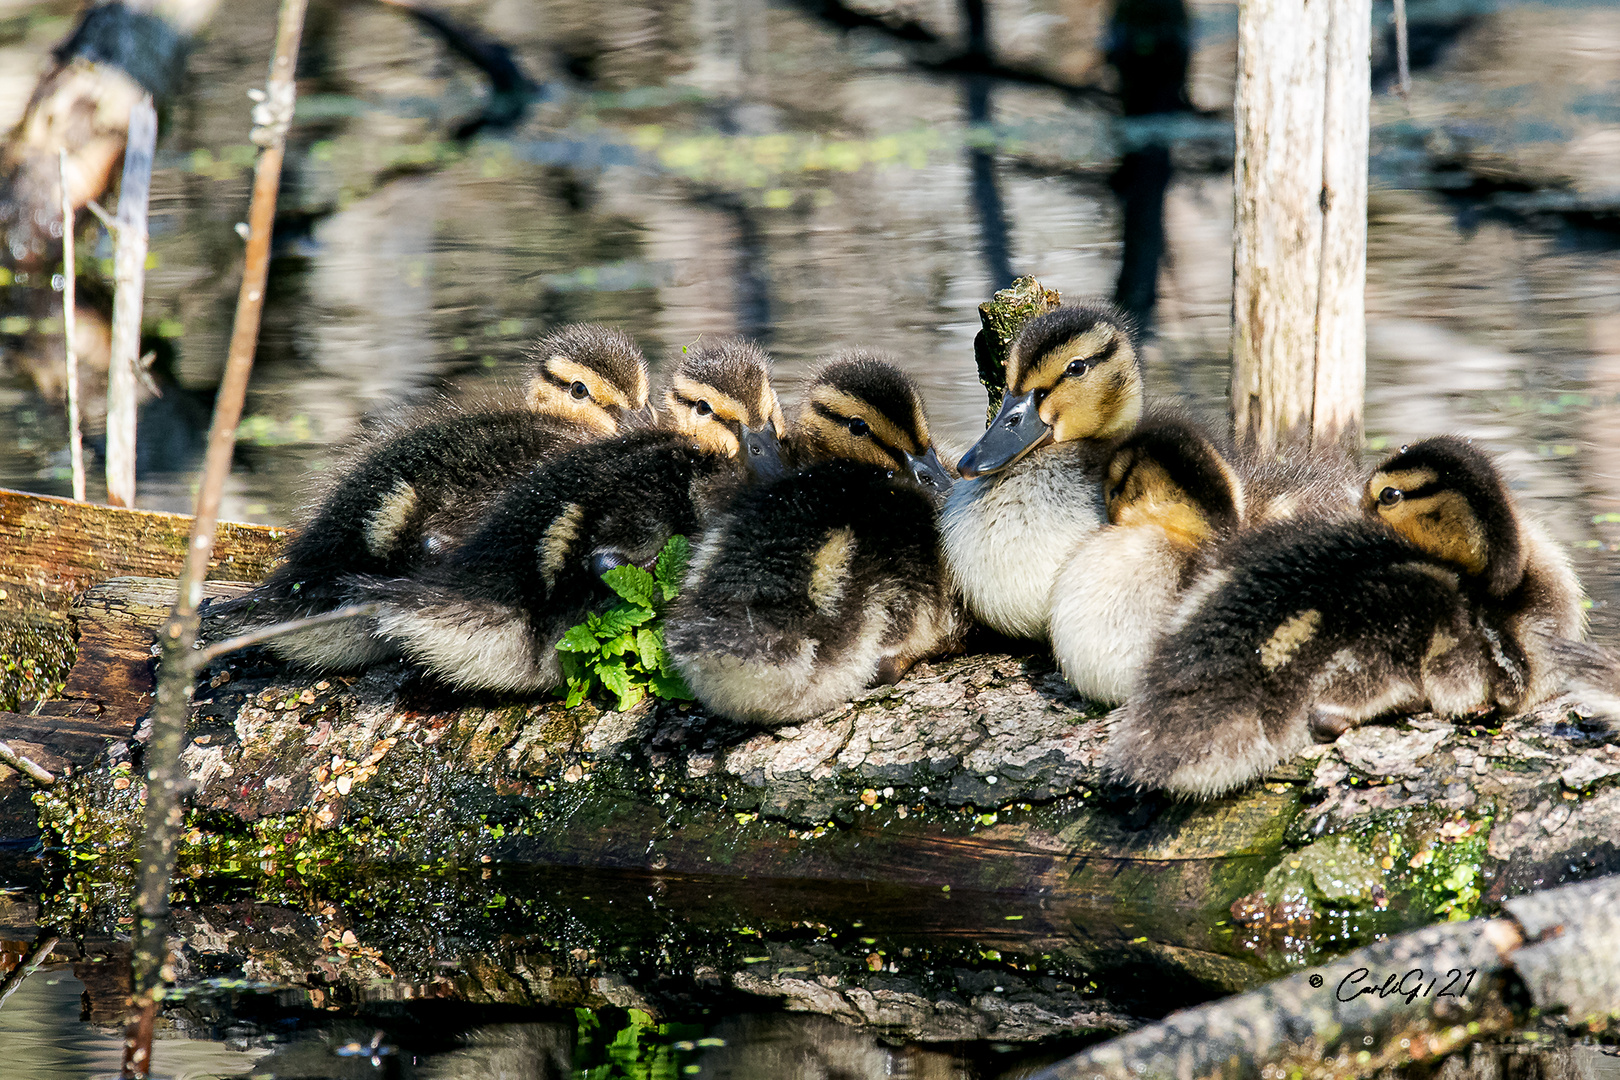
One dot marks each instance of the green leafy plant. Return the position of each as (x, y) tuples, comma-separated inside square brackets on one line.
[(622, 649)]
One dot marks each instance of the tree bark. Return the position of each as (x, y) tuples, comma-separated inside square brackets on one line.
[(1300, 244)]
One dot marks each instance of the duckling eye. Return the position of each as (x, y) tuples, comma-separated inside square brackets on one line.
[(858, 427), (1390, 496), (702, 408), (1076, 367), (580, 391)]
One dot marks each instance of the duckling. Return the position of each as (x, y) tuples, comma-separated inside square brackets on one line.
[(721, 395), (1171, 495), (807, 589), (1443, 596), (1030, 487), (490, 616), (410, 494)]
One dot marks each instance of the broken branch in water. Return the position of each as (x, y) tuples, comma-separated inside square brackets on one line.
[(28, 768), (9, 984), (166, 779)]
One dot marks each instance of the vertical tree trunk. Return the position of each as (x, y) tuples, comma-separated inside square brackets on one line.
[(129, 274), (1300, 251)]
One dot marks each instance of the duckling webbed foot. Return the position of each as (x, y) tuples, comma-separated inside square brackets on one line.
[(891, 669), (1326, 727)]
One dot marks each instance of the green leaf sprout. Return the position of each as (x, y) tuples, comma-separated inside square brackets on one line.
[(622, 650)]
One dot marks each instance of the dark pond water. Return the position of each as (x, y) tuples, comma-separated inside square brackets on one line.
[(705, 166)]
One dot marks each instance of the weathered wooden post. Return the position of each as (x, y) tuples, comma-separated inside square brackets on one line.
[(1300, 243), (129, 273)]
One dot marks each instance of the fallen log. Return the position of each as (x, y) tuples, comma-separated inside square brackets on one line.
[(1416, 998), (973, 781)]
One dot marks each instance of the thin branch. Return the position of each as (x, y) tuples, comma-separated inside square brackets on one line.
[(108, 222), (9, 985), (28, 768), (69, 321), (1403, 65), (201, 658), (166, 779)]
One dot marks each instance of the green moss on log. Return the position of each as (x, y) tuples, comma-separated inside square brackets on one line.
[(1000, 318)]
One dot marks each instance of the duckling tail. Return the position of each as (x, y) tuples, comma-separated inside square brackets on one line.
[(1152, 745), (467, 641), (1591, 673)]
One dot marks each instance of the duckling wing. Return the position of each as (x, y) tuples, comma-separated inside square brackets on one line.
[(490, 615), (1297, 630), (802, 589), (425, 482)]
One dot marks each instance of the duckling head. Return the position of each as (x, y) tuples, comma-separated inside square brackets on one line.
[(1168, 473), (1072, 373), (593, 376), (860, 407), (722, 397), (1446, 496)]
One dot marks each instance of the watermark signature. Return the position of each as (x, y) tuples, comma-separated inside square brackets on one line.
[(1410, 985)]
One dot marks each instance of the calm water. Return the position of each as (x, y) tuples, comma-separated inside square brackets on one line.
[(708, 166)]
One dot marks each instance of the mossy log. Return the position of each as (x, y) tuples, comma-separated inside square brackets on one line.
[(964, 795)]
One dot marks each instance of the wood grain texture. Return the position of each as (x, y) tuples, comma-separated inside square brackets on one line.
[(1299, 256), (52, 550)]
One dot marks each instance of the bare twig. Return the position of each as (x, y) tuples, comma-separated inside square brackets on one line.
[(69, 319), (108, 222), (9, 985), (165, 811), (201, 658), (129, 274), (1403, 64), (28, 768)]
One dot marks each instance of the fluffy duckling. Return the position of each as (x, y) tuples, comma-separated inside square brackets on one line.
[(808, 589), (722, 397), (1171, 495), (1442, 597), (1030, 487), (408, 495), (490, 615)]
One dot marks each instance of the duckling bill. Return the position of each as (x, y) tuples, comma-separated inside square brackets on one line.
[(1030, 487), (809, 588), (1441, 597)]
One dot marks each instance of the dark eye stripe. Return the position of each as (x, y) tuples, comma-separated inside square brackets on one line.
[(896, 454), (1104, 354)]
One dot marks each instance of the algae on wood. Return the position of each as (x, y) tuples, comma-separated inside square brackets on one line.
[(1000, 318)]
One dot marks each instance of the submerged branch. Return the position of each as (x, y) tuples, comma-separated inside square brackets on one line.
[(12, 981)]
